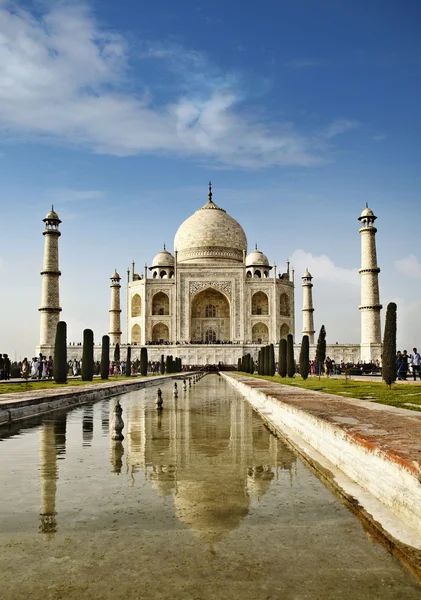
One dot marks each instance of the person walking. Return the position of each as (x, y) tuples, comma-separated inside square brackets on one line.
[(415, 363), (399, 364), (25, 371), (6, 366), (405, 365)]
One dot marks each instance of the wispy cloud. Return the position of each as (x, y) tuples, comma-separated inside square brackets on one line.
[(305, 63), (65, 79), (379, 138), (410, 266), (323, 268), (339, 127), (65, 196)]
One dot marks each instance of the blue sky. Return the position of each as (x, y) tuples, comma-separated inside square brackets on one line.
[(119, 114)]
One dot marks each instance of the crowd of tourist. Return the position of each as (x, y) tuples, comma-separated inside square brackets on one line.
[(408, 364), (41, 367), (192, 342)]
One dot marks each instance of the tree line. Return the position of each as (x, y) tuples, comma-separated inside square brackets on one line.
[(168, 364)]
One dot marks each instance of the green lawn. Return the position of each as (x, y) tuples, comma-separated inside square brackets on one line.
[(372, 391), (10, 388)]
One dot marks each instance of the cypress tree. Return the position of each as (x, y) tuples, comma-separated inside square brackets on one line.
[(129, 362), (389, 346), (305, 357), (88, 355), (290, 356), (143, 361), (251, 365), (247, 363), (272, 360), (105, 357), (60, 353), (162, 365), (262, 360), (239, 364), (117, 353), (321, 349), (282, 367), (259, 362), (267, 360)]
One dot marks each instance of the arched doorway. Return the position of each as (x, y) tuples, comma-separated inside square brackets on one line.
[(160, 333), (210, 336), (260, 333), (160, 304), (284, 331), (284, 305), (136, 306), (210, 319), (259, 304), (136, 334)]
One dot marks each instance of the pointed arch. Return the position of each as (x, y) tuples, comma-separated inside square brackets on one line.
[(160, 304), (160, 333), (210, 311), (284, 331), (259, 304), (260, 333), (284, 308), (136, 306), (136, 335)]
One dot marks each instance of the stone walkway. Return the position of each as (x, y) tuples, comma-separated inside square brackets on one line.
[(20, 405), (391, 431)]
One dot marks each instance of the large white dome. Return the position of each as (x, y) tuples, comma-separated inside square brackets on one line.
[(210, 234)]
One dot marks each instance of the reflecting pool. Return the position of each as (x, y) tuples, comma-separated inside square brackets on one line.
[(200, 501)]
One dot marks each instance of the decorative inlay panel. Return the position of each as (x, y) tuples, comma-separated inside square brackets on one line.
[(222, 286)]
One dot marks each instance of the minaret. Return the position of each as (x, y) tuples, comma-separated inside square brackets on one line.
[(370, 301), (50, 297), (115, 310), (308, 310)]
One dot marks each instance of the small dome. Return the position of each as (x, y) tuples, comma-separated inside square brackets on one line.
[(163, 259), (307, 274), (367, 213), (116, 275), (52, 216), (256, 258)]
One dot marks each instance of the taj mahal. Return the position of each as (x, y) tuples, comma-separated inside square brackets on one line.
[(212, 301)]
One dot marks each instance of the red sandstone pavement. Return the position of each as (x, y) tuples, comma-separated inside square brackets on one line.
[(394, 432)]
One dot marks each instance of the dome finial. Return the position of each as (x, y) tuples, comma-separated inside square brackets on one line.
[(210, 191), (366, 204), (164, 246), (255, 246)]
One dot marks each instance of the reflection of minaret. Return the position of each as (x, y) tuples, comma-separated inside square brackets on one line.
[(105, 418), (370, 300), (87, 425), (50, 297), (115, 310), (52, 443), (308, 310)]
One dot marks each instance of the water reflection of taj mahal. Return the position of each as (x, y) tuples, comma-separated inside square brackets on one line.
[(211, 459)]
